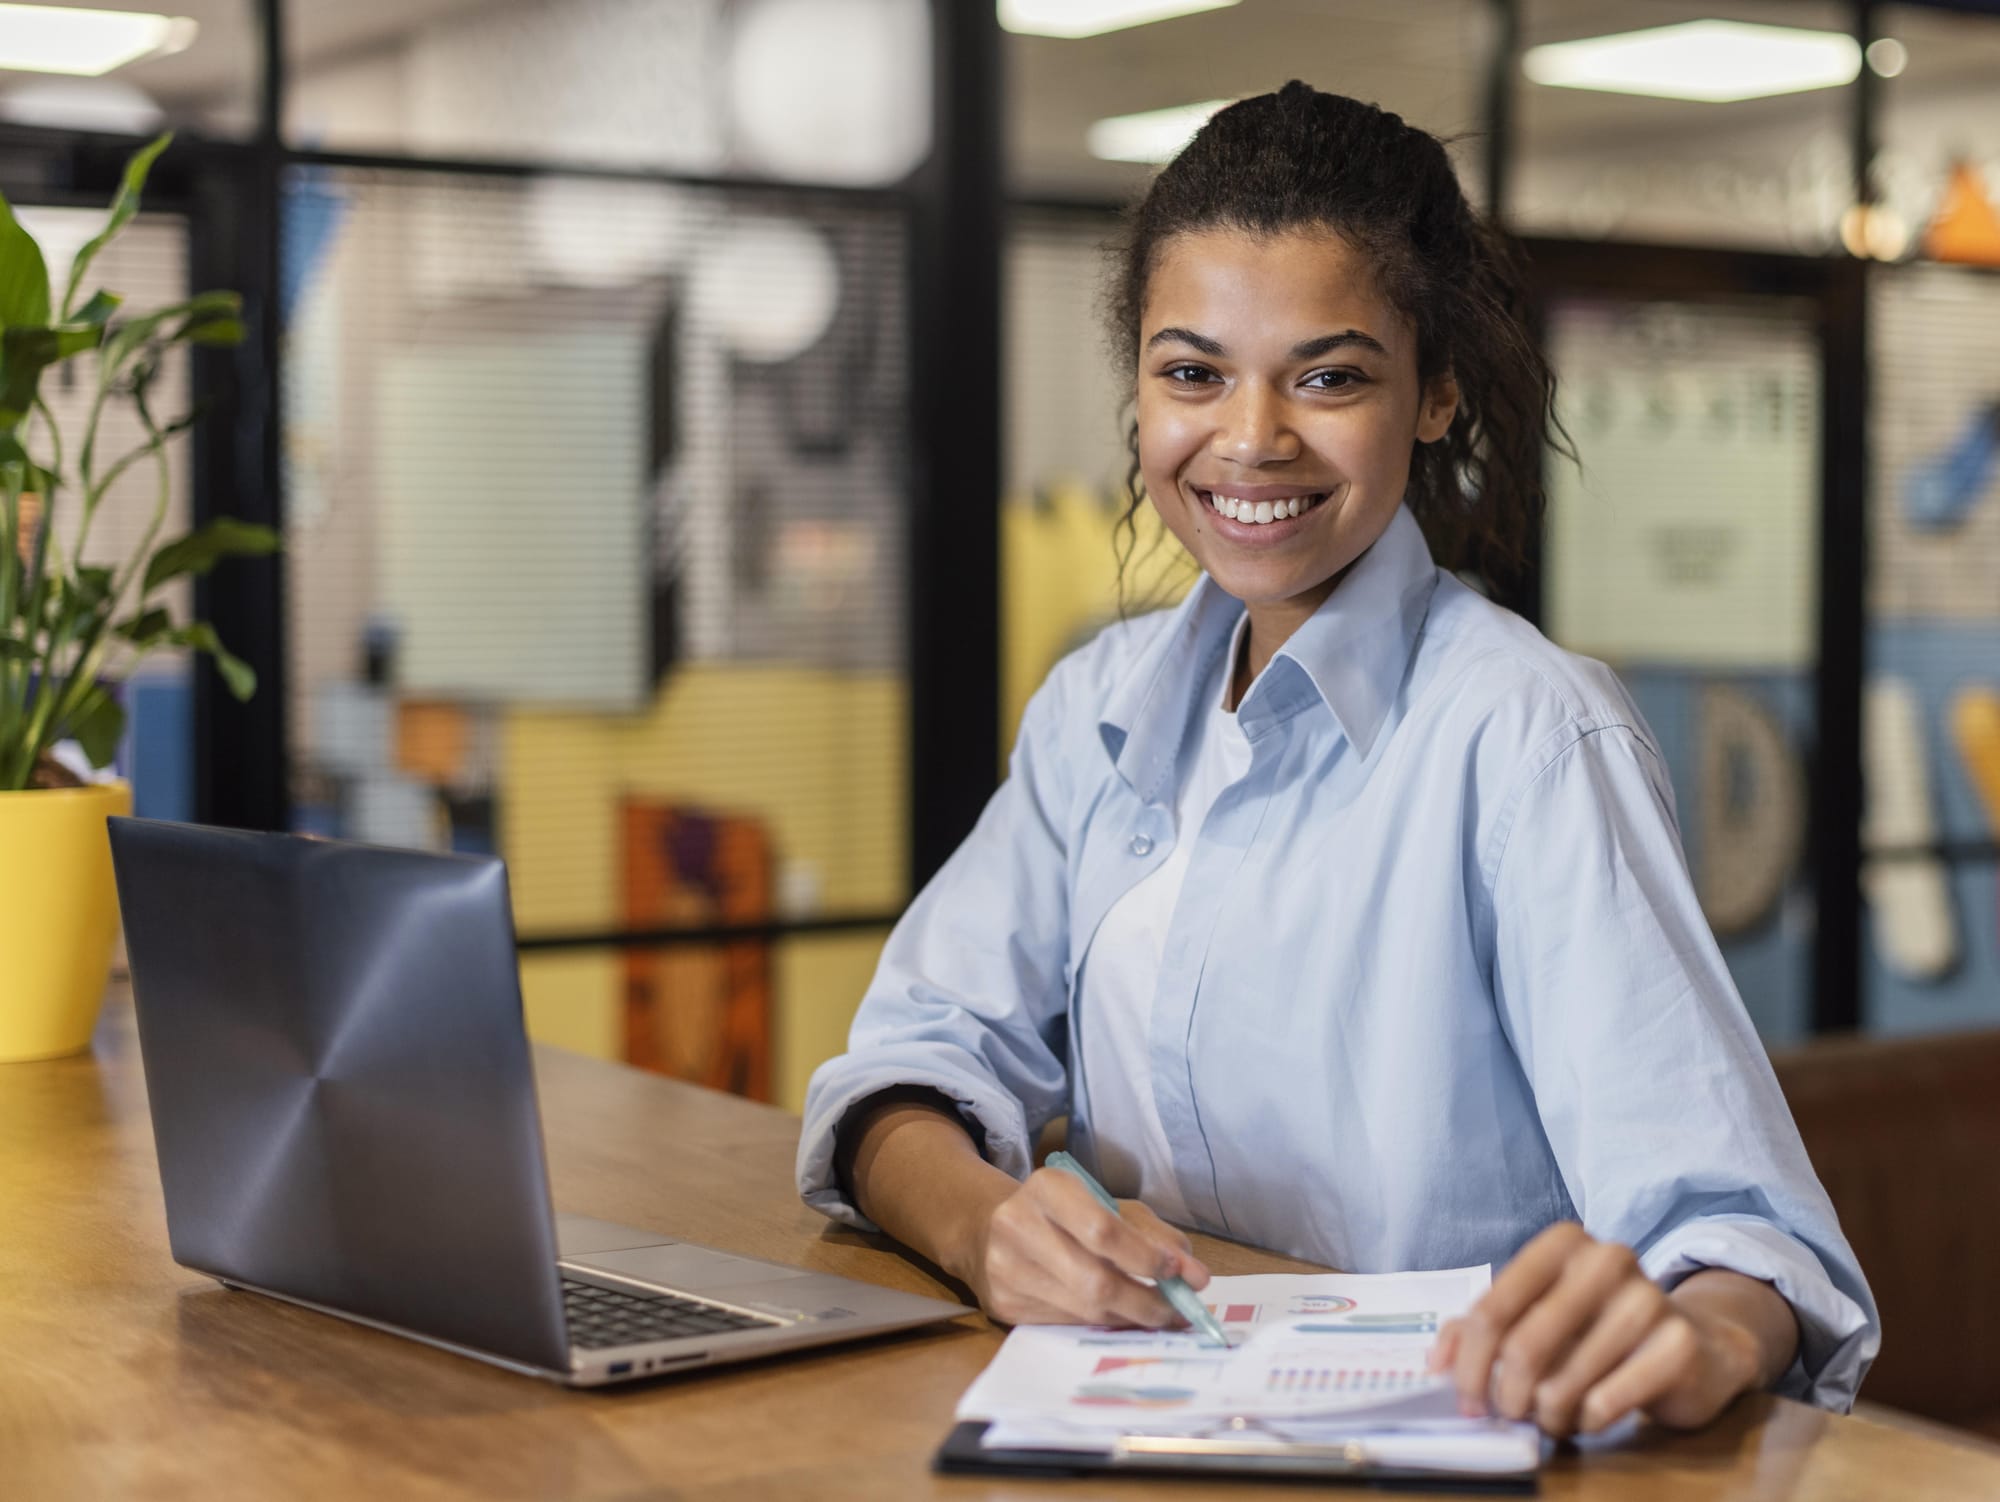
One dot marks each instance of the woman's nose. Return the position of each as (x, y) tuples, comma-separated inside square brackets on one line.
[(1254, 428)]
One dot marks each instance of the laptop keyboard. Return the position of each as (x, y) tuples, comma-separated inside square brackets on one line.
[(599, 1316)]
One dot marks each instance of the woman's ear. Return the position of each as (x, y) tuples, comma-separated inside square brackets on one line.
[(1440, 405)]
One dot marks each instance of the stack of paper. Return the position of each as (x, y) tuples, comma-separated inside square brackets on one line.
[(1320, 1359)]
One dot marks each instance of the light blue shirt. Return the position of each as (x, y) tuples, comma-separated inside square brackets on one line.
[(1437, 976)]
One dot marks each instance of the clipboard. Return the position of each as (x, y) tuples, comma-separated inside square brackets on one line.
[(1234, 1454)]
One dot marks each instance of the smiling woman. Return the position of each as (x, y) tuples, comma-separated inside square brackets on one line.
[(1337, 909)]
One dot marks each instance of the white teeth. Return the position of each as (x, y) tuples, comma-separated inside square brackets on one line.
[(1260, 512)]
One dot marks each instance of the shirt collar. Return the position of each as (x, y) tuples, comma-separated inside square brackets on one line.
[(1351, 655)]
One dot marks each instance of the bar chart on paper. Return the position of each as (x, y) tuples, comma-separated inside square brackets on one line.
[(1383, 1379)]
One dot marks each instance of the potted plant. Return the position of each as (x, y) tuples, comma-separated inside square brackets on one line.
[(72, 631)]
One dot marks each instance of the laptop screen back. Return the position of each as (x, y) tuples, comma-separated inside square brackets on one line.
[(342, 1096)]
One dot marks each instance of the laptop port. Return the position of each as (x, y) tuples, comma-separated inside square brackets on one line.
[(618, 1368)]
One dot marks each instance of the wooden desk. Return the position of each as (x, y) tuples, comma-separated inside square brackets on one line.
[(122, 1375)]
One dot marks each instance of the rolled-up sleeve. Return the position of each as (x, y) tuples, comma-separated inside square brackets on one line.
[(1656, 1094), (969, 997)]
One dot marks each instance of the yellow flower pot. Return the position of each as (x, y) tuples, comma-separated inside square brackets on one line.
[(58, 916)]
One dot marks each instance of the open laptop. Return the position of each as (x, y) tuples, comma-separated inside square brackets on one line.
[(344, 1108)]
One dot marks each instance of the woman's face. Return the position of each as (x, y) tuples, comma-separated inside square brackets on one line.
[(1274, 379)]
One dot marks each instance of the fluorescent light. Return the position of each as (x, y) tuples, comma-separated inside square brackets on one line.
[(1089, 18), (1713, 61), (52, 39), (1153, 136)]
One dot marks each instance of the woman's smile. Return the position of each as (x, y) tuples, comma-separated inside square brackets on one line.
[(1259, 515)]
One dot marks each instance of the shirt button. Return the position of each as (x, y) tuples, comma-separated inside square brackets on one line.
[(1142, 844)]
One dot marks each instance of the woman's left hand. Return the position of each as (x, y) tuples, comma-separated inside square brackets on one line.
[(1575, 1336)]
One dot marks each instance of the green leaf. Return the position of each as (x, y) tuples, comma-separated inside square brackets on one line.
[(99, 309), (123, 207), (25, 352), (18, 651), (203, 548), (238, 674), (24, 275), (203, 315), (147, 629), (90, 588), (97, 724), (218, 331), (35, 480)]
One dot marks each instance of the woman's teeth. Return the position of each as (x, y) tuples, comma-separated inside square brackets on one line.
[(1261, 513)]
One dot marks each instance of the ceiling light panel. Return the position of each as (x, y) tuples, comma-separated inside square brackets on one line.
[(86, 43), (1089, 18), (1716, 62), (1154, 136)]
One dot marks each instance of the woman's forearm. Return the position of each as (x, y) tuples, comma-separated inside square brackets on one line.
[(909, 1166)]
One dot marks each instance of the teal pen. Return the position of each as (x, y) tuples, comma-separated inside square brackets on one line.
[(1183, 1298)]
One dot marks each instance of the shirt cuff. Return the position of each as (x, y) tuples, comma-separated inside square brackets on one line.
[(1838, 1335), (839, 1086)]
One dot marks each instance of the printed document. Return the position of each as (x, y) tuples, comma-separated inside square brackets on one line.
[(1314, 1358)]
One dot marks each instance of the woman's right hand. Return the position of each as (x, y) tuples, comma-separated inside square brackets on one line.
[(1050, 1254)]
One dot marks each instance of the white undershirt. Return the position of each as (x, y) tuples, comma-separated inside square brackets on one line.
[(1115, 1007)]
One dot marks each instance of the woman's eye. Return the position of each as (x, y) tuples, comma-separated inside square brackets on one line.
[(1333, 380), (1188, 375)]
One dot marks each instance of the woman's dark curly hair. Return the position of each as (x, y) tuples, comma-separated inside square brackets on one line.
[(1301, 159)]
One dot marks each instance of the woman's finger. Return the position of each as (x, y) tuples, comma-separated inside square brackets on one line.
[(1621, 1325), (1664, 1359), (1017, 1288), (1170, 1239), (1065, 1200), (1521, 1282), (1048, 1265), (1534, 1349), (1445, 1347), (1096, 1291)]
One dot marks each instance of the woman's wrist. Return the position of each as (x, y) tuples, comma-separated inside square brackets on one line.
[(907, 1162), (966, 1221), (1750, 1327)]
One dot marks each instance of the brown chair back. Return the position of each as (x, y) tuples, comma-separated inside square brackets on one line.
[(1905, 1134)]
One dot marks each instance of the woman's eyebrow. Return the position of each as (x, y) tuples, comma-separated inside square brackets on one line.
[(1326, 344), (1308, 349), (1201, 342)]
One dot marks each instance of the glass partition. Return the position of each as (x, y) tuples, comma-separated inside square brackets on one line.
[(1683, 551), (596, 507)]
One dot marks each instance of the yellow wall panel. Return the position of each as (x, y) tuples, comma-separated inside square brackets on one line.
[(571, 1000), (819, 757), (1059, 583), (820, 982)]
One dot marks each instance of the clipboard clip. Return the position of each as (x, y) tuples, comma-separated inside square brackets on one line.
[(1242, 1437)]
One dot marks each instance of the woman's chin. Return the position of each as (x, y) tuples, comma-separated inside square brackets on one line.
[(1261, 586)]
